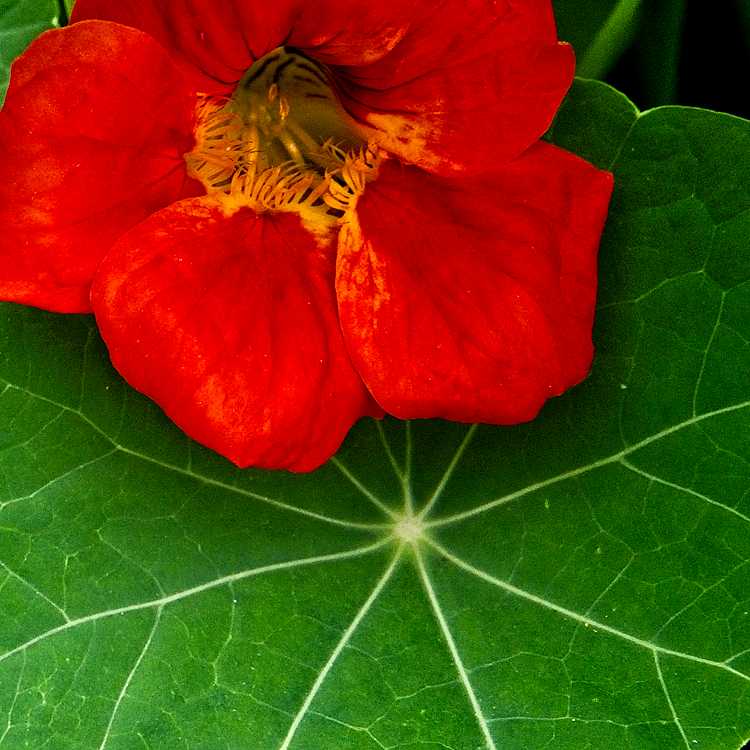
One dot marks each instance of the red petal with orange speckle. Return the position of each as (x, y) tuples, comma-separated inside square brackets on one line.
[(91, 142), (218, 41), (229, 324), (452, 86), (470, 86), (473, 299)]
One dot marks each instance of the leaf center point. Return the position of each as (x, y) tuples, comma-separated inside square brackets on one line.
[(409, 529)]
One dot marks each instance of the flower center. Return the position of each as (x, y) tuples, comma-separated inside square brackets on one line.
[(282, 142)]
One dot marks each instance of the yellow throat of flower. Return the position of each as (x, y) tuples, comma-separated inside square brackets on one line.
[(282, 142)]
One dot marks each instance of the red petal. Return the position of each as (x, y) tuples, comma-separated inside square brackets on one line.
[(473, 300), (91, 142), (470, 86), (220, 40), (463, 85), (229, 324)]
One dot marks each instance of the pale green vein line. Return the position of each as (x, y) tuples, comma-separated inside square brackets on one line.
[(665, 689), (374, 499), (437, 493), (129, 678), (351, 727), (583, 469), (610, 586), (699, 380), (637, 116), (408, 464), (39, 593), (686, 490), (194, 590), (204, 480), (388, 451), (669, 281), (340, 646), (11, 708), (262, 498), (585, 621), (31, 438), (738, 656), (704, 592), (56, 479), (448, 636)]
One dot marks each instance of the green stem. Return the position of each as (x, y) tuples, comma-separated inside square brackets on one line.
[(63, 15), (611, 41), (659, 50)]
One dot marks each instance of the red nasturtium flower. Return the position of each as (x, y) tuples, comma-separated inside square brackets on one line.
[(288, 214)]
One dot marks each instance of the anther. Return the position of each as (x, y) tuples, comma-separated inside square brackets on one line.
[(255, 152)]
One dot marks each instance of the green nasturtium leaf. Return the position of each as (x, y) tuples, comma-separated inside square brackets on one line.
[(577, 582), (20, 22)]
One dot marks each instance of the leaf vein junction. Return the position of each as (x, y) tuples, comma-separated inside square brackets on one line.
[(129, 678), (668, 697)]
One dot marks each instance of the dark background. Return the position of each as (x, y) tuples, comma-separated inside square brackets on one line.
[(713, 63)]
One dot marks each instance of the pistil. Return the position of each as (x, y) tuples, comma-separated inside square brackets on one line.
[(282, 142)]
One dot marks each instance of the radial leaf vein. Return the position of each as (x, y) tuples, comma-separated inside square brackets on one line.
[(55, 480), (340, 646), (685, 490), (615, 458), (11, 708), (665, 689), (129, 678), (389, 451), (448, 636), (449, 471), (194, 590), (699, 379), (408, 463), (374, 499), (39, 593), (198, 477), (582, 619)]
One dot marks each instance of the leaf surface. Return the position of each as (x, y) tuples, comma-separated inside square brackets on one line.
[(20, 22), (577, 582)]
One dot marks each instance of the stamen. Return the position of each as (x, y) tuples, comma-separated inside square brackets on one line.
[(260, 147)]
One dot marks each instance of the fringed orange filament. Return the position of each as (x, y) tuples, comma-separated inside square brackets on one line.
[(282, 142)]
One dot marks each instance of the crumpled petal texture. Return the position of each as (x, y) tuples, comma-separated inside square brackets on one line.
[(473, 299), (218, 41), (453, 86), (90, 145), (229, 323), (461, 283)]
